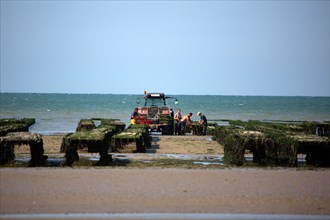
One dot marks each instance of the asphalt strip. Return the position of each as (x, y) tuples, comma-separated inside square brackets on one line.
[(164, 216)]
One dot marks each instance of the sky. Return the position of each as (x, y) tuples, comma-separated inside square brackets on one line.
[(275, 48)]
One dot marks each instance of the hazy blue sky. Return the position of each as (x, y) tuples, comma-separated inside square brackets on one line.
[(176, 47)]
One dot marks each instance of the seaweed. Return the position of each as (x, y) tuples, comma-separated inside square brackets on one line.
[(134, 133), (86, 125), (95, 139), (15, 125), (34, 140), (120, 126), (274, 144), (197, 129)]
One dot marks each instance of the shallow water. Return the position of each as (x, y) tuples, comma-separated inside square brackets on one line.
[(60, 113)]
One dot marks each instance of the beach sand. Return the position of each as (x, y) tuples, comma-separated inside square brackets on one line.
[(159, 190), (156, 190), (187, 144)]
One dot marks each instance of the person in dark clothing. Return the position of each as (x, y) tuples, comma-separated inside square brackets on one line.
[(203, 122), (135, 116)]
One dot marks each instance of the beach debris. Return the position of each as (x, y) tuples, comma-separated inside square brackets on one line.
[(275, 143), (12, 139), (95, 140)]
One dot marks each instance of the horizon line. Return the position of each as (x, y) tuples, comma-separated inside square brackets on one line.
[(83, 93)]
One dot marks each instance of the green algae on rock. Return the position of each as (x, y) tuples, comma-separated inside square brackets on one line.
[(275, 143), (14, 125), (95, 139)]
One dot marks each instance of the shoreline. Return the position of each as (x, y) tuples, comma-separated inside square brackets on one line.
[(220, 122)]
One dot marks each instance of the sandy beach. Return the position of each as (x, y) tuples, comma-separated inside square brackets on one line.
[(158, 190), (187, 144), (67, 190)]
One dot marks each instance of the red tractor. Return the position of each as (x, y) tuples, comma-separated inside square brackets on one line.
[(156, 113)]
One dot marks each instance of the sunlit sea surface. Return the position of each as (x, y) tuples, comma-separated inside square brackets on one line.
[(60, 113)]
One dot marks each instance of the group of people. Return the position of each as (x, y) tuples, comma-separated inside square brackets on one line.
[(181, 122)]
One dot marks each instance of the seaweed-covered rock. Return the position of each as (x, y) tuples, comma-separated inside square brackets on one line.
[(274, 143), (7, 153), (12, 139), (197, 129), (94, 139), (316, 148), (119, 125), (316, 128), (234, 150), (85, 125), (14, 125), (134, 133)]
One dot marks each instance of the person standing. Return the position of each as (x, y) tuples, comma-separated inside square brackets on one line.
[(203, 122), (177, 118), (135, 116), (182, 124)]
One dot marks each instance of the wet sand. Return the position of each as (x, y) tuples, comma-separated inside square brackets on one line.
[(160, 145), (157, 190)]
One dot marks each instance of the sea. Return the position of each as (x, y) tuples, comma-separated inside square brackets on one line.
[(60, 113)]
